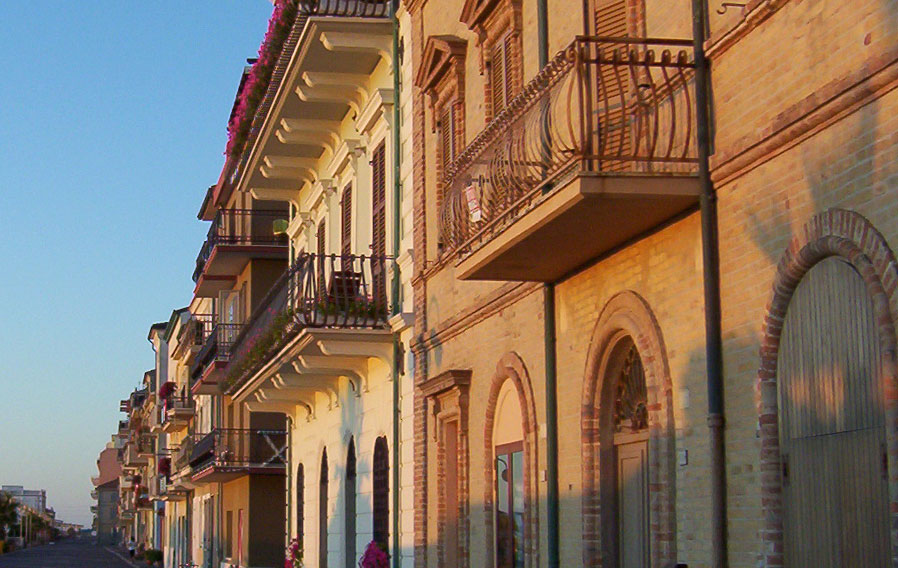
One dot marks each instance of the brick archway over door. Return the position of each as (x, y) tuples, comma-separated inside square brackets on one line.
[(628, 314), (511, 368), (849, 235)]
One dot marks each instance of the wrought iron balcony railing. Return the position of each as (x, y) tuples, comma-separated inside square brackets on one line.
[(217, 346), (239, 448), (345, 8), (317, 291), (240, 227), (602, 105)]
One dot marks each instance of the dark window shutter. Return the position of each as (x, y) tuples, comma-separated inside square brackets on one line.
[(497, 77), (379, 224), (346, 214), (321, 244), (447, 135), (508, 54)]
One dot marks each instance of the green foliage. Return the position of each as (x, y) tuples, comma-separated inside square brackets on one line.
[(271, 338), (8, 516), (152, 556)]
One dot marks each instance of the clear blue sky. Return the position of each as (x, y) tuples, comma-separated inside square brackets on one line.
[(112, 125)]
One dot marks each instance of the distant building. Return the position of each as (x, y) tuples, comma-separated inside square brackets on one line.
[(33, 498), (106, 512)]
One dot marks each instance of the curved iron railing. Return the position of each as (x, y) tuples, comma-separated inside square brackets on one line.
[(345, 8), (602, 105), (317, 291)]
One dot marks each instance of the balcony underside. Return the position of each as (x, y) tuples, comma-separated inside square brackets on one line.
[(227, 261), (223, 474), (591, 215), (176, 419), (208, 381), (315, 364)]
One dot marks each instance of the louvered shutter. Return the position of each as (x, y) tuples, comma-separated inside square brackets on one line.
[(346, 219), (379, 225), (320, 238), (613, 85), (497, 77), (447, 135)]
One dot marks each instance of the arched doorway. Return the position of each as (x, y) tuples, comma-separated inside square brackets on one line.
[(827, 369), (832, 423), (381, 498), (629, 516)]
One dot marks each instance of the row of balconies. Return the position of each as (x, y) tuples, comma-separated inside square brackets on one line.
[(317, 291)]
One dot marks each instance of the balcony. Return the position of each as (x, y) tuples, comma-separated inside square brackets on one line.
[(236, 237), (598, 149), (146, 445), (177, 412), (226, 453), (192, 336), (132, 457), (208, 366), (325, 72), (333, 303)]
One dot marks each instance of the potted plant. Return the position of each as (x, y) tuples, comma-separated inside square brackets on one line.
[(374, 557), (153, 557), (293, 558)]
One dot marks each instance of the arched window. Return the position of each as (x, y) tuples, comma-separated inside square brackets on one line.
[(832, 423), (300, 502), (322, 512), (381, 493), (508, 446), (349, 506)]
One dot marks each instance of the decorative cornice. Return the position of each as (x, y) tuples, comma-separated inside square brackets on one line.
[(447, 380), (441, 53)]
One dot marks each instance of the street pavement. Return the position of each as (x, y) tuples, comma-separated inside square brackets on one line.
[(68, 553)]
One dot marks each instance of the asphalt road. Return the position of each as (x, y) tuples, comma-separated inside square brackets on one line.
[(69, 553)]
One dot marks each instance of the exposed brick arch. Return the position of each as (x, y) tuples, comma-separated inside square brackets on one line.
[(849, 235), (627, 315), (511, 368)]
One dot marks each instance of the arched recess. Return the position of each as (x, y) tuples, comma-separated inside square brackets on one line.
[(322, 511), (852, 238), (381, 498), (511, 368), (626, 317), (349, 516)]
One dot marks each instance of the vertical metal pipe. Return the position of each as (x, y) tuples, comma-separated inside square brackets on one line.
[(711, 278), (552, 505), (396, 283)]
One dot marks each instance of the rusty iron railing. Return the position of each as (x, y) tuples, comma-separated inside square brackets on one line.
[(240, 227), (345, 8), (317, 291), (602, 105)]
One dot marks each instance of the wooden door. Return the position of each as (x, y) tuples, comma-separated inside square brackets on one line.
[(633, 502), (832, 435)]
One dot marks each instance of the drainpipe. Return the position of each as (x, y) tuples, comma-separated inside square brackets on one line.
[(552, 498), (394, 288), (711, 277)]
